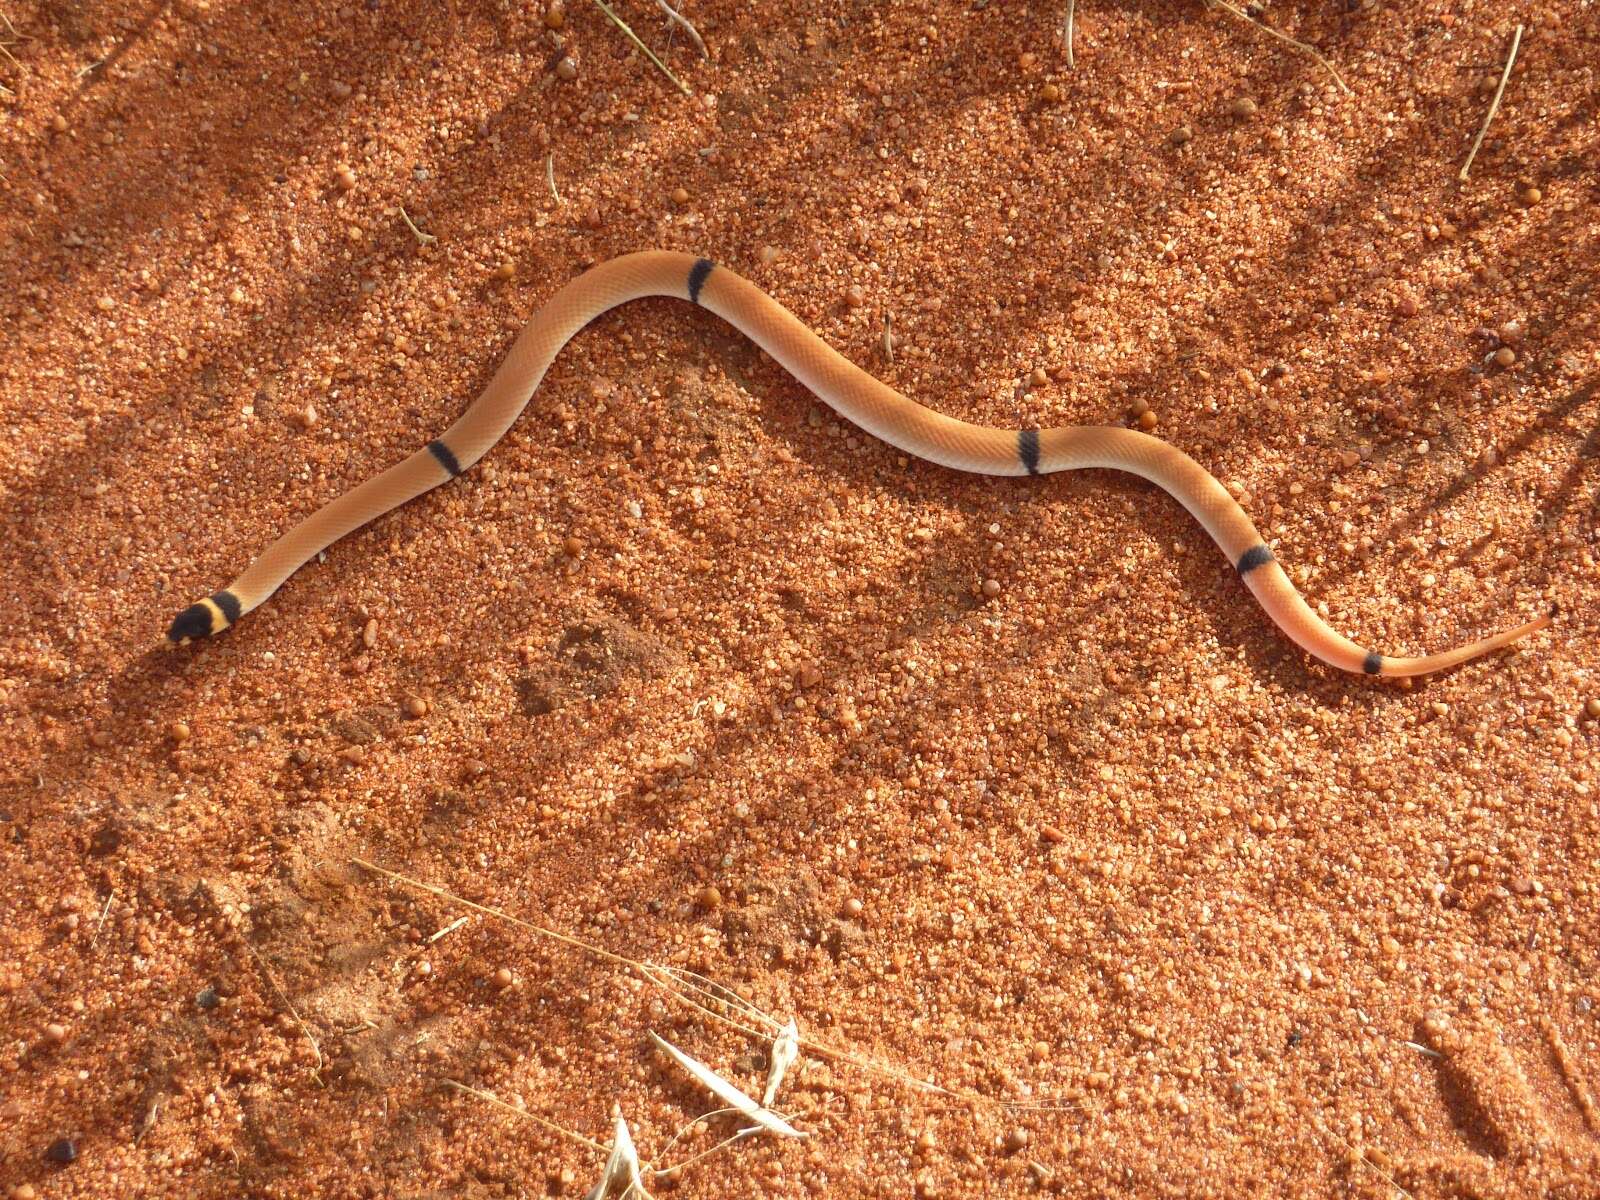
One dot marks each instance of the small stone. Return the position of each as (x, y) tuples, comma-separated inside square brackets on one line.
[(808, 676), (555, 15), (1051, 834), (1530, 195), (503, 978), (307, 416), (1407, 307), (341, 90), (61, 1151), (1050, 93), (991, 588), (505, 270), (22, 1191), (207, 999), (1016, 1140), (1242, 107), (55, 1033), (1509, 332), (1348, 459), (1039, 377), (572, 546), (1592, 707), (567, 68), (708, 898), (856, 296), (1180, 135), (1147, 419), (768, 255), (852, 908), (345, 177), (680, 196), (415, 707), (1504, 356), (179, 732), (369, 634)]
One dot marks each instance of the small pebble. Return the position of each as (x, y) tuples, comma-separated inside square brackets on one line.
[(307, 416), (179, 732), (369, 634), (1243, 107), (1180, 135), (567, 68), (55, 1033), (505, 270), (1407, 307), (855, 297), (991, 588), (555, 15), (58, 123), (680, 196), (341, 90), (1147, 419), (1050, 93), (207, 999), (708, 898), (1504, 356), (572, 546), (1016, 1140), (1039, 377), (415, 706), (62, 1151), (1592, 707), (852, 908), (503, 978), (345, 177), (1530, 195), (768, 255)]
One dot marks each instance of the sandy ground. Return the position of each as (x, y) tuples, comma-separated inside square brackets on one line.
[(691, 671)]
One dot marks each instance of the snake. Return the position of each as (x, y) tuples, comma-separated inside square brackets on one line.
[(856, 395)]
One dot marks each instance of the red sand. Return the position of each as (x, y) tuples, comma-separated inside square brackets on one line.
[(697, 666)]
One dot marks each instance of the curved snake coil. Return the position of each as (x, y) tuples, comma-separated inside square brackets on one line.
[(855, 395)]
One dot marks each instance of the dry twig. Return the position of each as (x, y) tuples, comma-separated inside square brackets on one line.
[(648, 53), (1066, 33), (1494, 105), (550, 175), (682, 20), (289, 1004), (1284, 37), (424, 238), (542, 1122)]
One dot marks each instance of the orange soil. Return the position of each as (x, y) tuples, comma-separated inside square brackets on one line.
[(693, 672)]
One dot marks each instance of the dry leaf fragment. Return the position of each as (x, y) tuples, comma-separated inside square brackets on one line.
[(785, 1049), (621, 1169), (727, 1093)]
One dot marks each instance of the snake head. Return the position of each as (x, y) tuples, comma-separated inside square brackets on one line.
[(208, 616), (192, 622)]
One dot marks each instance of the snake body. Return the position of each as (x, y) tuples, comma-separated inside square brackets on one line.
[(855, 395)]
